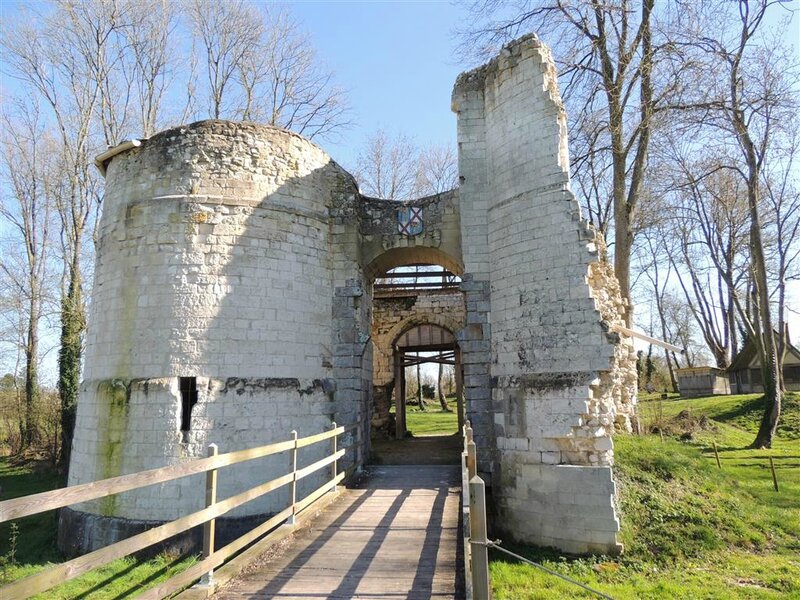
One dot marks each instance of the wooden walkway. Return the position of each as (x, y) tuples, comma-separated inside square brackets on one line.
[(394, 536)]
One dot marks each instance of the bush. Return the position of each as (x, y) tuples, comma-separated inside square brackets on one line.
[(46, 444)]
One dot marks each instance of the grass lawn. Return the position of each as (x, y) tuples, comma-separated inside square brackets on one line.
[(432, 421), (690, 529), (33, 547)]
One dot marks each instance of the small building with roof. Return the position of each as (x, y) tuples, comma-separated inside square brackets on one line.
[(694, 382), (745, 371)]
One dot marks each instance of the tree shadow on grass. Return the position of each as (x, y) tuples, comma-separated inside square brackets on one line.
[(135, 586), (748, 408)]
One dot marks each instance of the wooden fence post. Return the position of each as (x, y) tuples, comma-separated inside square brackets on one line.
[(478, 540), (333, 465), (719, 465), (293, 463), (774, 475), (472, 459), (209, 527)]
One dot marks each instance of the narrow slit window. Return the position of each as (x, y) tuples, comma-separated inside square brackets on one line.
[(188, 388)]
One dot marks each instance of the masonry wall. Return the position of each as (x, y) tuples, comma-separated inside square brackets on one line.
[(383, 247), (214, 262), (474, 339), (555, 368)]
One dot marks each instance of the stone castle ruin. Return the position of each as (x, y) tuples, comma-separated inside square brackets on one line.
[(234, 301)]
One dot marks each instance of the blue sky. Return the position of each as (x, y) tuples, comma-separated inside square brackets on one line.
[(395, 59)]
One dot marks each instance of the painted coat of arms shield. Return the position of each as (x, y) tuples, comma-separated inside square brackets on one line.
[(409, 220)]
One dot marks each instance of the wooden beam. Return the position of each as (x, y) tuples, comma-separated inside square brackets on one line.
[(44, 501), (313, 439), (646, 338), (304, 472), (194, 572), (44, 580), (412, 362)]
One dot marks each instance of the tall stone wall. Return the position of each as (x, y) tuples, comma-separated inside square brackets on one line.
[(215, 261), (557, 374)]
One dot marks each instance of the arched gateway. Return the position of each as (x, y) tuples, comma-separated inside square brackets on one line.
[(233, 303)]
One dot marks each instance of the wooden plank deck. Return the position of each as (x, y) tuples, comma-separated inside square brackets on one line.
[(393, 536)]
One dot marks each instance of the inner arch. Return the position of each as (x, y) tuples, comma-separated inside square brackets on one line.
[(401, 257)]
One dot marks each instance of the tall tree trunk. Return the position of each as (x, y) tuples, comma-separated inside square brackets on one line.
[(69, 357), (420, 399), (31, 374), (664, 334), (783, 331), (765, 338), (442, 397), (765, 342)]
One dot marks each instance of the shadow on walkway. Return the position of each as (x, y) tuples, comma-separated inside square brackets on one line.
[(424, 450), (395, 535)]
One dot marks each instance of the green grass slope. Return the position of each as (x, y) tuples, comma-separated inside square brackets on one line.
[(690, 530)]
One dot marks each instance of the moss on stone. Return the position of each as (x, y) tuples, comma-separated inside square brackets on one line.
[(115, 397)]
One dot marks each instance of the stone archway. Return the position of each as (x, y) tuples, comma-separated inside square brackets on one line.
[(417, 338), (396, 310)]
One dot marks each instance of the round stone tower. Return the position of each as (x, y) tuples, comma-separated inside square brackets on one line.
[(210, 318)]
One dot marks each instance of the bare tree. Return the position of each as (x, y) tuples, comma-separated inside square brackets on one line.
[(657, 269), (591, 168), (285, 84), (782, 195), (226, 32), (437, 171), (150, 50), (440, 388), (262, 67), (710, 222), (387, 167), (393, 167), (26, 205), (607, 54), (72, 58), (748, 88)]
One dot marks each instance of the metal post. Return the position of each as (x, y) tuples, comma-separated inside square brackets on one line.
[(293, 463), (210, 526), (333, 443), (478, 540)]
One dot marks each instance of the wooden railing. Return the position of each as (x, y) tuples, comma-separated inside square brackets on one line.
[(473, 518), (211, 558)]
